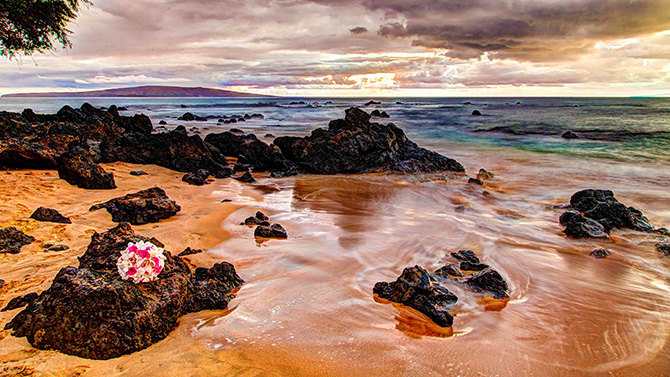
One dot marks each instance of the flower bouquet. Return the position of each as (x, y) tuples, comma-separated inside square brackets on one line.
[(141, 262)]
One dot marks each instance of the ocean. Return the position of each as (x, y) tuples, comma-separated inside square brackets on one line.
[(307, 306)]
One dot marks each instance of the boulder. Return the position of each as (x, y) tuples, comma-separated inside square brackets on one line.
[(578, 226), (465, 256), (419, 290), (90, 312), (250, 151), (142, 207), (12, 239), (50, 215), (78, 168), (476, 113), (451, 270), (258, 219), (273, 231), (489, 281), (246, 178), (354, 145)]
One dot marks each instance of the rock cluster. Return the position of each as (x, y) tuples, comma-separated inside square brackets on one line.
[(596, 212), (90, 312), (198, 178), (425, 292), (263, 227), (146, 206)]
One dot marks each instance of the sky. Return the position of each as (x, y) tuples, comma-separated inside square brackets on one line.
[(362, 48)]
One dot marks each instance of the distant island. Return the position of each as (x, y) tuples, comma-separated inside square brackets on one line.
[(144, 91)]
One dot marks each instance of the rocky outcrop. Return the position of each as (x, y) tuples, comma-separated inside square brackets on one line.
[(475, 275), (90, 312), (12, 239), (20, 301), (146, 206), (418, 289), (77, 167), (249, 150), (173, 150), (597, 212), (49, 215), (354, 145)]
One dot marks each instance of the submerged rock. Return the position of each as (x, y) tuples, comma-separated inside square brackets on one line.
[(355, 145), (484, 174), (258, 219), (146, 206), (663, 248), (419, 290), (569, 135), (476, 181), (91, 312), (12, 240), (476, 276), (578, 226), (489, 280), (476, 113), (78, 168), (189, 251), (273, 231), (21, 301), (50, 215), (600, 253)]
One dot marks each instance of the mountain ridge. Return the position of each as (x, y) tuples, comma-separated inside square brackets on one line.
[(145, 91)]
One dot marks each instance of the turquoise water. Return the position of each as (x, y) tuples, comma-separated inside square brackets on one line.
[(627, 129)]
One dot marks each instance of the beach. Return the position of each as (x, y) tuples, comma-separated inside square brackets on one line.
[(307, 306)]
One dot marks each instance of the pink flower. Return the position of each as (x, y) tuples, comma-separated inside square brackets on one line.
[(132, 271)]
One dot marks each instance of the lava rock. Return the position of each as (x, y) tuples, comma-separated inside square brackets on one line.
[(146, 206), (78, 168), (189, 251), (489, 280), (466, 256), (600, 253), (578, 226), (354, 145), (138, 172), (198, 178), (189, 117), (663, 248), (371, 102), (55, 247), (273, 231), (467, 266), (250, 151), (50, 215), (12, 239), (484, 174), (246, 178), (162, 123), (476, 113), (449, 271), (601, 205), (569, 135), (91, 312), (418, 289), (258, 219), (476, 181), (19, 302)]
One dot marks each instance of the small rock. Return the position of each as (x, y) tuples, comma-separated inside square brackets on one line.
[(162, 123), (269, 136), (484, 174), (258, 219), (236, 130), (601, 253), (372, 103), (663, 248), (246, 178), (198, 178), (225, 201), (466, 256), (138, 172), (569, 135), (12, 239), (50, 215), (476, 113), (21, 301), (273, 231), (578, 226), (189, 251), (55, 247), (476, 181), (459, 209), (468, 266), (449, 271), (489, 280)]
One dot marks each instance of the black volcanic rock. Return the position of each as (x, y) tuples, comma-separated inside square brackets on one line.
[(476, 113), (50, 215), (198, 178), (12, 239), (246, 178), (418, 289), (189, 251), (191, 117), (272, 231), (77, 167), (598, 211), (146, 206), (91, 312), (258, 219), (569, 135), (19, 302), (251, 151), (465, 256), (489, 280), (173, 150), (600, 253), (354, 145)]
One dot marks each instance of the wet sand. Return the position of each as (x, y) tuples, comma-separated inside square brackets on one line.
[(307, 306)]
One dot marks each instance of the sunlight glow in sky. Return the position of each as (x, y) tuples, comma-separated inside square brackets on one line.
[(363, 48)]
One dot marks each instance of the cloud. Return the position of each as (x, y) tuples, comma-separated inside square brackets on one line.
[(358, 30), (130, 79)]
